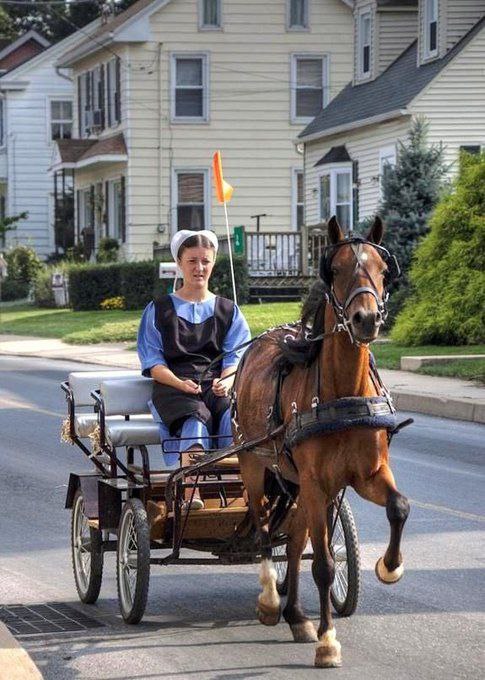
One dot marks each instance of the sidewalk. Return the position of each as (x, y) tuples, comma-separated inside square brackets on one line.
[(443, 397)]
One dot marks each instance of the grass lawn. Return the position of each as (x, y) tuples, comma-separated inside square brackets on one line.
[(118, 326)]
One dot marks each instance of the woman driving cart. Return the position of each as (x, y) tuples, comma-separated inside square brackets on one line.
[(180, 335)]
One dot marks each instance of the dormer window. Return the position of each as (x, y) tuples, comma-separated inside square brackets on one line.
[(297, 15), (364, 43), (431, 28)]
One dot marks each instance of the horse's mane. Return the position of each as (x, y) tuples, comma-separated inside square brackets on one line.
[(301, 351)]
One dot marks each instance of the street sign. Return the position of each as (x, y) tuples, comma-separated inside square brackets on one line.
[(238, 240)]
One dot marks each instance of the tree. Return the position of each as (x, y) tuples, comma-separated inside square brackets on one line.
[(10, 223), (410, 191), (448, 272)]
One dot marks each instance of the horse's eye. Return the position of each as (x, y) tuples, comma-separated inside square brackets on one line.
[(334, 271)]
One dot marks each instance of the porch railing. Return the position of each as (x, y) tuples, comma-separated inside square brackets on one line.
[(276, 253)]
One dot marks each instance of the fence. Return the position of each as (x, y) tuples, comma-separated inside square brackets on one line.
[(276, 253)]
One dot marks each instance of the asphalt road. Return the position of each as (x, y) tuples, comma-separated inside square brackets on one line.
[(200, 621)]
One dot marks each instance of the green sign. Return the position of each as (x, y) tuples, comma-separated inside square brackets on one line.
[(238, 244)]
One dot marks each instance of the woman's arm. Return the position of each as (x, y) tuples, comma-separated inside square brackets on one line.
[(165, 376), (221, 386)]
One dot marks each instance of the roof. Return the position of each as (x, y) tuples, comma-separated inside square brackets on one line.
[(389, 93), (337, 154), (80, 151)]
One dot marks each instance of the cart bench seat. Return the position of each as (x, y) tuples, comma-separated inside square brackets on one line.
[(134, 432)]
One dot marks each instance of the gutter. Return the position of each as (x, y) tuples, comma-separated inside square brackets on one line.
[(354, 125)]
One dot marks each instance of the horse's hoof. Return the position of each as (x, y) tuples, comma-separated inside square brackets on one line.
[(328, 653), (386, 576), (304, 632), (267, 616)]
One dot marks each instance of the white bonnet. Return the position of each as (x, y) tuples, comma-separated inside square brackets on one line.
[(185, 234)]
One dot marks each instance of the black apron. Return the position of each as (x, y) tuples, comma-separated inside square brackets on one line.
[(189, 348)]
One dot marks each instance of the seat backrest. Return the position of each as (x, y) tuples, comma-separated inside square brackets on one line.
[(126, 396), (82, 383)]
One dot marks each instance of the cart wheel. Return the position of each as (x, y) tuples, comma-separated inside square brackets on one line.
[(344, 593), (87, 553), (281, 568), (133, 561)]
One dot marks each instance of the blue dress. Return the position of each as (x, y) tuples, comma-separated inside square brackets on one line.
[(151, 353)]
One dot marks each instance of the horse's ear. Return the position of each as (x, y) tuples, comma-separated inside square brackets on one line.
[(335, 233), (376, 231)]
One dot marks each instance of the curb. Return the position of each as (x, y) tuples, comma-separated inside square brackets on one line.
[(457, 409), (15, 662)]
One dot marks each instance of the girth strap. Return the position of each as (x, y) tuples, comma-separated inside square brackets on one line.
[(341, 414)]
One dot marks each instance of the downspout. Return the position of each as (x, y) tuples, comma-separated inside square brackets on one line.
[(63, 75)]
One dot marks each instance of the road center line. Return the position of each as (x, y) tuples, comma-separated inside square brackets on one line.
[(448, 511), (437, 466)]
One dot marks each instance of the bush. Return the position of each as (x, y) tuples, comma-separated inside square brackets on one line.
[(448, 273), (139, 281), (107, 251), (89, 285), (23, 264), (113, 303), (13, 289), (221, 282)]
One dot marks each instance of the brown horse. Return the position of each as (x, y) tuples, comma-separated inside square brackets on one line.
[(326, 463)]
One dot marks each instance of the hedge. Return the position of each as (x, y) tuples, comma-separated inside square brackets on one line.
[(138, 282)]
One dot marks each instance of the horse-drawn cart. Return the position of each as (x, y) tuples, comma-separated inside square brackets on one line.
[(132, 503)]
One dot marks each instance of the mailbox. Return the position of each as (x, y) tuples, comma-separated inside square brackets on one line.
[(167, 270)]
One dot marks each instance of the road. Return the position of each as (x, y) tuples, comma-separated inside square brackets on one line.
[(200, 621)]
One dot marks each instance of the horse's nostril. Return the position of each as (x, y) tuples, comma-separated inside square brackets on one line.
[(357, 317), (378, 317)]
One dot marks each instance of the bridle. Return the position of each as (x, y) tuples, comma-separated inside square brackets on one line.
[(340, 308)]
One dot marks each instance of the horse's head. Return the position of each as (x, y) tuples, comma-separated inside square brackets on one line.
[(357, 272)]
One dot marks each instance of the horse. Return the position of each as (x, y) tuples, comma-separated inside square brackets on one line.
[(348, 308)]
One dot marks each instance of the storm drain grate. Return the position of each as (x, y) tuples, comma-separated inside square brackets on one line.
[(41, 619)]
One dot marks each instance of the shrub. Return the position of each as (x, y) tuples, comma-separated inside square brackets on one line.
[(113, 303), (448, 273), (89, 284), (13, 289), (139, 280), (107, 251), (23, 265), (221, 282)]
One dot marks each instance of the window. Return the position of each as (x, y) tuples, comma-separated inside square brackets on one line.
[(189, 95), (191, 200), (210, 14), (115, 208), (298, 200), (85, 208), (364, 44), (387, 159), (297, 15), (309, 87), (61, 119), (113, 92), (336, 196), (473, 149), (431, 27)]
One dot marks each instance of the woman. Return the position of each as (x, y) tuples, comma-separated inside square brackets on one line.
[(179, 336)]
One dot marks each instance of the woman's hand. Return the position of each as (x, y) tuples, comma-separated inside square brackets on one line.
[(190, 387), (220, 388)]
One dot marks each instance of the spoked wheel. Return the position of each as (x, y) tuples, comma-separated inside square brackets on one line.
[(344, 547), (87, 553), (133, 561)]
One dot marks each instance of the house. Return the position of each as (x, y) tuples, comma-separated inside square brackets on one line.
[(36, 108), (164, 84), (411, 58)]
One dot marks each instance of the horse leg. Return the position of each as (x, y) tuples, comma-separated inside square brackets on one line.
[(323, 568), (381, 489), (268, 607), (301, 627)]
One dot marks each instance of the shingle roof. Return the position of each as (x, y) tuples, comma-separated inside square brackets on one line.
[(74, 150), (393, 90), (337, 154)]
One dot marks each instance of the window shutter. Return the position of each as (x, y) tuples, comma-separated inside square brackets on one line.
[(78, 216), (355, 192), (118, 91), (108, 95), (91, 207), (79, 108), (123, 211), (106, 207), (102, 95)]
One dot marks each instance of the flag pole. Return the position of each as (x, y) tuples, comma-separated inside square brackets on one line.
[(230, 254)]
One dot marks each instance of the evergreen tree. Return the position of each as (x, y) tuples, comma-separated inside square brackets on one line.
[(410, 190)]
